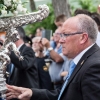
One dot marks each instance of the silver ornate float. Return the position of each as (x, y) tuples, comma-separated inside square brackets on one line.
[(9, 24)]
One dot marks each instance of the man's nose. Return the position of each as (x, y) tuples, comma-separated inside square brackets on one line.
[(61, 40)]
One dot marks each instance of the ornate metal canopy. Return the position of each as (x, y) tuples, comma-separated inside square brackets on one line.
[(9, 24)]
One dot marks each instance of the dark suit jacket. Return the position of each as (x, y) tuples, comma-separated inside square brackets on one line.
[(44, 77), (84, 83), (25, 73)]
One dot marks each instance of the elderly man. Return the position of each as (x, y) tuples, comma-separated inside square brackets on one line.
[(83, 81), (58, 59)]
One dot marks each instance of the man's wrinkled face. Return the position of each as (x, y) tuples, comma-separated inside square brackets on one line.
[(56, 35), (70, 43)]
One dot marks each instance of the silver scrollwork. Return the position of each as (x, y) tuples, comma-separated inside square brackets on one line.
[(9, 24)]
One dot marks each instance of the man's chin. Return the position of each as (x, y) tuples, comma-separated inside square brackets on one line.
[(64, 53)]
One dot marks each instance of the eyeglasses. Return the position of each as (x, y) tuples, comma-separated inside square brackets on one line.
[(57, 33), (66, 35)]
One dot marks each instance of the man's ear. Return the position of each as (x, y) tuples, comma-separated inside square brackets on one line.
[(83, 38)]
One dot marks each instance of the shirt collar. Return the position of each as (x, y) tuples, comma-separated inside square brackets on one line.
[(19, 46), (78, 57)]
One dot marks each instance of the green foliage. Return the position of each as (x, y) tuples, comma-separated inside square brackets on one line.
[(90, 5), (47, 23)]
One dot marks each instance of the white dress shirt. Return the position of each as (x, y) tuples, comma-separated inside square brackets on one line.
[(78, 57)]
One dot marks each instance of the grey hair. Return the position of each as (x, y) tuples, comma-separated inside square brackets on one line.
[(88, 25), (36, 39), (21, 32)]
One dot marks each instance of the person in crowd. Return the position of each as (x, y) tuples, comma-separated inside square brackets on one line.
[(82, 11), (58, 59), (56, 38), (59, 20), (96, 17), (39, 31), (23, 72), (44, 77), (78, 39)]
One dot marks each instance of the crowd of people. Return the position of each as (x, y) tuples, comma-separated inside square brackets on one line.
[(67, 67)]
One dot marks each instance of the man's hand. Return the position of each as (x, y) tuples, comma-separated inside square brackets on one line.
[(45, 42), (64, 73), (18, 92)]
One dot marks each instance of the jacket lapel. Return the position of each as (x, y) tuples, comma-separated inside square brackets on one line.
[(92, 50)]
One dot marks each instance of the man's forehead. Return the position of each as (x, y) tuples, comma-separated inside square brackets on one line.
[(69, 23)]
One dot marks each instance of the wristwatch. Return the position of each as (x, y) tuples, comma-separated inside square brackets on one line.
[(50, 48)]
